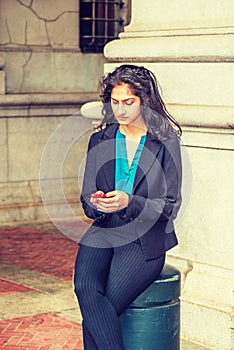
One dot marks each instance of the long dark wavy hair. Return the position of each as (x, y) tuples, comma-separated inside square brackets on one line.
[(143, 83)]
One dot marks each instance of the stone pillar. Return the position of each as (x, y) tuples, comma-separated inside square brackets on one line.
[(2, 77), (190, 47)]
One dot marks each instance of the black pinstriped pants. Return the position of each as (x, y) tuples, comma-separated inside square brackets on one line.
[(106, 281)]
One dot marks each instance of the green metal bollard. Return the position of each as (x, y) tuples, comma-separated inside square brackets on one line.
[(152, 321)]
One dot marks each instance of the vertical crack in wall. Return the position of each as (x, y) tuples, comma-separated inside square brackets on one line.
[(29, 56), (26, 33), (47, 34), (8, 31), (55, 70), (24, 70), (38, 17)]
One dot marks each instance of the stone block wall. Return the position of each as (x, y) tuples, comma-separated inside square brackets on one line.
[(28, 123), (44, 79), (39, 42)]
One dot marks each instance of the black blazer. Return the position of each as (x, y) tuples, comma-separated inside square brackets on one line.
[(156, 196)]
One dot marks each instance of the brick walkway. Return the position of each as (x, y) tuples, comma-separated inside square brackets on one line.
[(35, 313), (44, 331), (45, 252), (38, 309)]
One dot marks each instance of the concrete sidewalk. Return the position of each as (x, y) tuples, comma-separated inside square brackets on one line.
[(37, 303)]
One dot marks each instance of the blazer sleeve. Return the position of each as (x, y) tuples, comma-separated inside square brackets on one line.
[(89, 181), (165, 205)]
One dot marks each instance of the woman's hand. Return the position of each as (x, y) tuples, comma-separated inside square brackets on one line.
[(94, 196), (114, 201)]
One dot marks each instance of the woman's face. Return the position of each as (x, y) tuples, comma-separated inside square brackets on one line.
[(126, 106)]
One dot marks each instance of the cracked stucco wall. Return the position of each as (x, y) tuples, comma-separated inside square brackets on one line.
[(39, 45), (39, 41)]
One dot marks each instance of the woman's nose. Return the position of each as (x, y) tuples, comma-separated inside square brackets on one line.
[(121, 109)]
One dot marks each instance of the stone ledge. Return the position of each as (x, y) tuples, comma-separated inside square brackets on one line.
[(203, 116), (43, 105), (47, 98), (173, 48), (11, 47), (135, 30), (207, 137), (22, 201)]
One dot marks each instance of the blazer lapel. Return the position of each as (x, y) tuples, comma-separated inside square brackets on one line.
[(107, 155), (147, 159)]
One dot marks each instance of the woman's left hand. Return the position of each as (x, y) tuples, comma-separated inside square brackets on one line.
[(114, 201)]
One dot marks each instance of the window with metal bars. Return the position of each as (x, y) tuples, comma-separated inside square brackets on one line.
[(100, 22)]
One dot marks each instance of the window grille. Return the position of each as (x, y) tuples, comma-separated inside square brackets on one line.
[(100, 22)]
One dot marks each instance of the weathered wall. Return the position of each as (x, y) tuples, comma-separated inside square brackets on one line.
[(189, 45), (44, 79), (28, 124), (39, 41)]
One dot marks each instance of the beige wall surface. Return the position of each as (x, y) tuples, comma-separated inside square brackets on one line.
[(36, 131), (44, 79), (39, 41)]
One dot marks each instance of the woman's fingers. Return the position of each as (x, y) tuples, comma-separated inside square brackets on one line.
[(114, 201)]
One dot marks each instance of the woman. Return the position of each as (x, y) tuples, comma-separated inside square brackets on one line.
[(131, 190)]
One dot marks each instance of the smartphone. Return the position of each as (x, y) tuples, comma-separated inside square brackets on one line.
[(98, 195)]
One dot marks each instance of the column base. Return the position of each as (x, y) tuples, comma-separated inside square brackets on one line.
[(206, 299)]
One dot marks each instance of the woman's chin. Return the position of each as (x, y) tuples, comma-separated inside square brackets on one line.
[(123, 121)]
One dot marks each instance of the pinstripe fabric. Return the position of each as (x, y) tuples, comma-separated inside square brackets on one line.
[(106, 281)]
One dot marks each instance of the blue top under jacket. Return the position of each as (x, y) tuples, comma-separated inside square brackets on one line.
[(125, 176)]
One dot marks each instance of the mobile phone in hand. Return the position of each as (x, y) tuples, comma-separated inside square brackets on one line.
[(98, 195)]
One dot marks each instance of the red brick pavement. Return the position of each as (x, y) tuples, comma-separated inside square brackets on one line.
[(40, 332), (46, 252), (8, 287)]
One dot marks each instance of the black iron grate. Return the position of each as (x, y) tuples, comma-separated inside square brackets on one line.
[(100, 22)]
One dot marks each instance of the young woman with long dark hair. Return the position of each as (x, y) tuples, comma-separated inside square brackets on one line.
[(131, 190)]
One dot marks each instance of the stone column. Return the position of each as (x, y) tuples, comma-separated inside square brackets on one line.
[(189, 44)]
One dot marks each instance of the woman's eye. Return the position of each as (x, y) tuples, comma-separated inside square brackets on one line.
[(129, 103), (126, 103)]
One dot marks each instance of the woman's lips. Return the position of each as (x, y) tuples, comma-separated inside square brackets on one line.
[(122, 117)]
